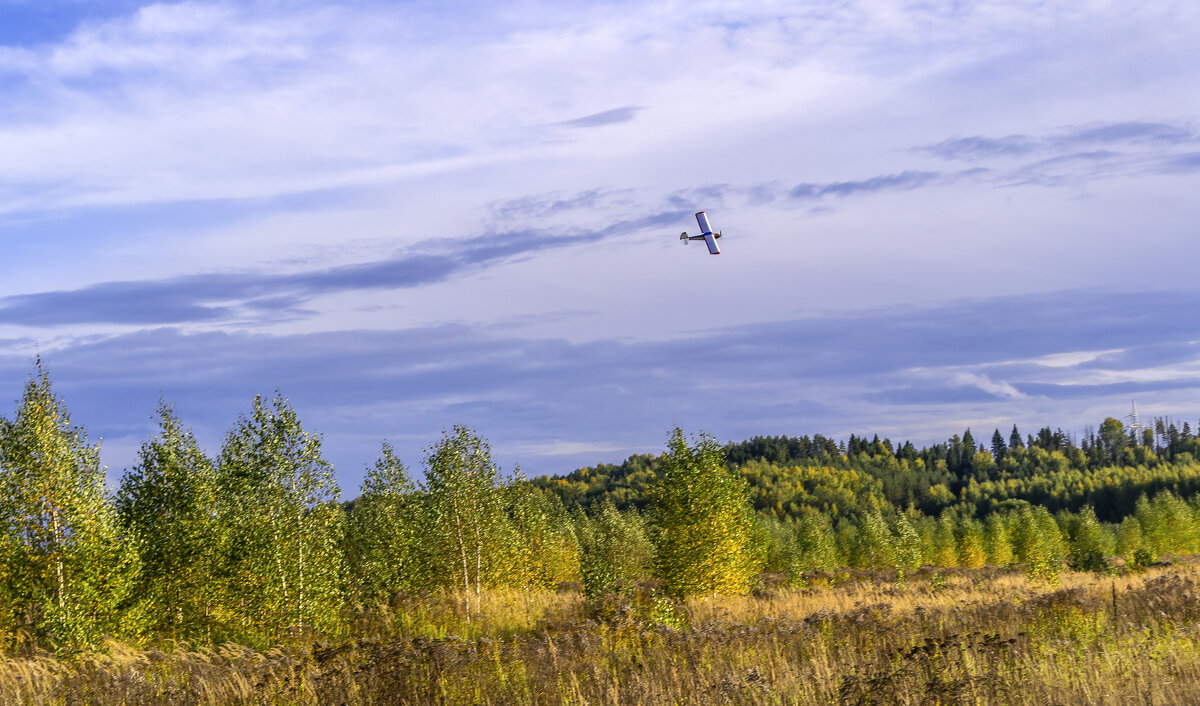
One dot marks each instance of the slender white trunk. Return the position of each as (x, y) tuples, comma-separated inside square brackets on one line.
[(300, 578), (58, 561)]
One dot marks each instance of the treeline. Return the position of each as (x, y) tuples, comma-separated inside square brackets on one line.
[(789, 476), (257, 546)]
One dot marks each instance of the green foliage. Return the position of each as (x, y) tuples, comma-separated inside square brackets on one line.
[(383, 533), (705, 522), (1038, 543), (1091, 544), (944, 548), (907, 542), (257, 548), (616, 550), (972, 550), (996, 540), (874, 546), (468, 532), (816, 547), (548, 548), (66, 569), (790, 476), (166, 506), (284, 568)]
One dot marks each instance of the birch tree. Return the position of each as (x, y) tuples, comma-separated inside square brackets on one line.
[(167, 508), (467, 525), (66, 570), (283, 548), (546, 546), (705, 522), (385, 552)]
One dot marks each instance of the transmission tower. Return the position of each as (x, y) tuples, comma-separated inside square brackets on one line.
[(1135, 426)]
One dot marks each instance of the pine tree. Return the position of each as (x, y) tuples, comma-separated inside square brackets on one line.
[(279, 501), (999, 448), (705, 522), (166, 505), (67, 569), (1014, 439)]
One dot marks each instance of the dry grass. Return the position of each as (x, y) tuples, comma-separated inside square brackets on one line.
[(944, 636)]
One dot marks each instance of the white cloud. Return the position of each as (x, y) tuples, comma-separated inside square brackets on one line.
[(212, 100), (983, 382)]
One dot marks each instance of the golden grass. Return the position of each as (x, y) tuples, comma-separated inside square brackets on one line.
[(940, 636)]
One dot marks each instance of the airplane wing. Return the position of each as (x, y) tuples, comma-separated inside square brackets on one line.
[(705, 228), (711, 241)]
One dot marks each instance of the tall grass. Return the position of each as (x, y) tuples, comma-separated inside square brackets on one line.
[(936, 636)]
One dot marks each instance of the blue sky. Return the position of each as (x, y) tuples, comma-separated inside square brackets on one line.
[(406, 216)]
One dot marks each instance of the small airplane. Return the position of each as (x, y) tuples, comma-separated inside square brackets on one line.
[(706, 234)]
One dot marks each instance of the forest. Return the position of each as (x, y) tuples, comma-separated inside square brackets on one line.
[(212, 560)]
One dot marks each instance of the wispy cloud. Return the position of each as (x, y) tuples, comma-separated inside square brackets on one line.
[(608, 117), (887, 182), (221, 297), (978, 147)]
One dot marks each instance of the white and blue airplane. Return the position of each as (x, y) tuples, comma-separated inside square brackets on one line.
[(706, 234)]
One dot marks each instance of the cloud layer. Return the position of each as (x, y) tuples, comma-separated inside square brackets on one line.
[(412, 215), (547, 403)]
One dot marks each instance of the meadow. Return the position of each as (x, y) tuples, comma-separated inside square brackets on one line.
[(946, 636)]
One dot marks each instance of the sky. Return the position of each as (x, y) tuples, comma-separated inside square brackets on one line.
[(409, 215)]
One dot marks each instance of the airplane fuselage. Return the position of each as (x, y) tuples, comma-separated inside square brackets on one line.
[(706, 234)]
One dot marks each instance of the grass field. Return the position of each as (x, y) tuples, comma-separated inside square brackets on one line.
[(941, 636)]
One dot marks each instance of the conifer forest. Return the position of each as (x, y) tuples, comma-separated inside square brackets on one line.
[(1001, 566)]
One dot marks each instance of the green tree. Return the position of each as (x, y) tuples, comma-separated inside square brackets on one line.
[(283, 551), (1037, 540), (616, 550), (815, 542), (545, 541), (907, 542), (1112, 438), (945, 544), (1090, 544), (467, 530), (999, 447), (874, 545), (972, 550), (996, 540), (166, 505), (382, 533), (705, 522), (67, 569), (1129, 537)]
